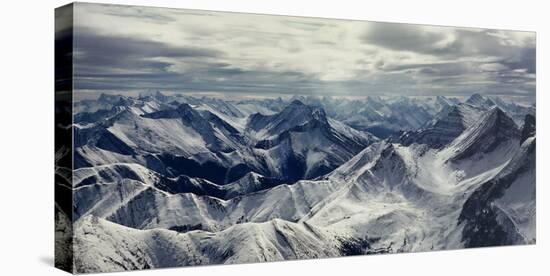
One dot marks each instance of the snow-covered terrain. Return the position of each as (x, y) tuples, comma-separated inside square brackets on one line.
[(168, 180)]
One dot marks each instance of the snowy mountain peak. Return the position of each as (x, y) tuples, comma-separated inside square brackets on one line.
[(500, 119), (448, 125), (296, 102), (123, 101), (107, 99), (475, 98), (161, 97), (442, 100), (480, 101), (102, 97), (310, 143), (495, 128), (295, 114)]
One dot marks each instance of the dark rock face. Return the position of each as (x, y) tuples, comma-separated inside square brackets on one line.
[(529, 127), (110, 142), (99, 137), (361, 246), (491, 227), (92, 117), (184, 184), (212, 171), (485, 224)]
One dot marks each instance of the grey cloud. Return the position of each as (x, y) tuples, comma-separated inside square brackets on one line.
[(403, 37), (466, 43), (304, 25), (149, 14), (98, 45), (441, 68), (488, 59), (525, 59), (105, 54), (428, 71), (124, 63), (142, 14), (455, 66)]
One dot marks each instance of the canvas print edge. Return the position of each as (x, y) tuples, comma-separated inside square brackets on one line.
[(64, 167)]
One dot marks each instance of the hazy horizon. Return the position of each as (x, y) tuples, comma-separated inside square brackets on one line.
[(93, 95)]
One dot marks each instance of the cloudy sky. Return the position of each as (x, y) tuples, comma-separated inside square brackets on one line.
[(124, 48)]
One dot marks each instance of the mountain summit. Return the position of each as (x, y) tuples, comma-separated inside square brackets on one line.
[(492, 130), (480, 101), (447, 125)]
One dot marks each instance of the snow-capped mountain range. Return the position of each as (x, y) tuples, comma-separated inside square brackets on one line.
[(165, 180)]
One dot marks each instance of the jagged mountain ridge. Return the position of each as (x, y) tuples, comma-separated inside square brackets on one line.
[(390, 197), (447, 126), (494, 128), (454, 119), (174, 140)]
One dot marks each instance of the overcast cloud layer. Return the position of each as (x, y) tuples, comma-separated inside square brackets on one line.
[(124, 48)]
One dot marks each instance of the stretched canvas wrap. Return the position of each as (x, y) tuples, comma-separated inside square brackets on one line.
[(188, 137)]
